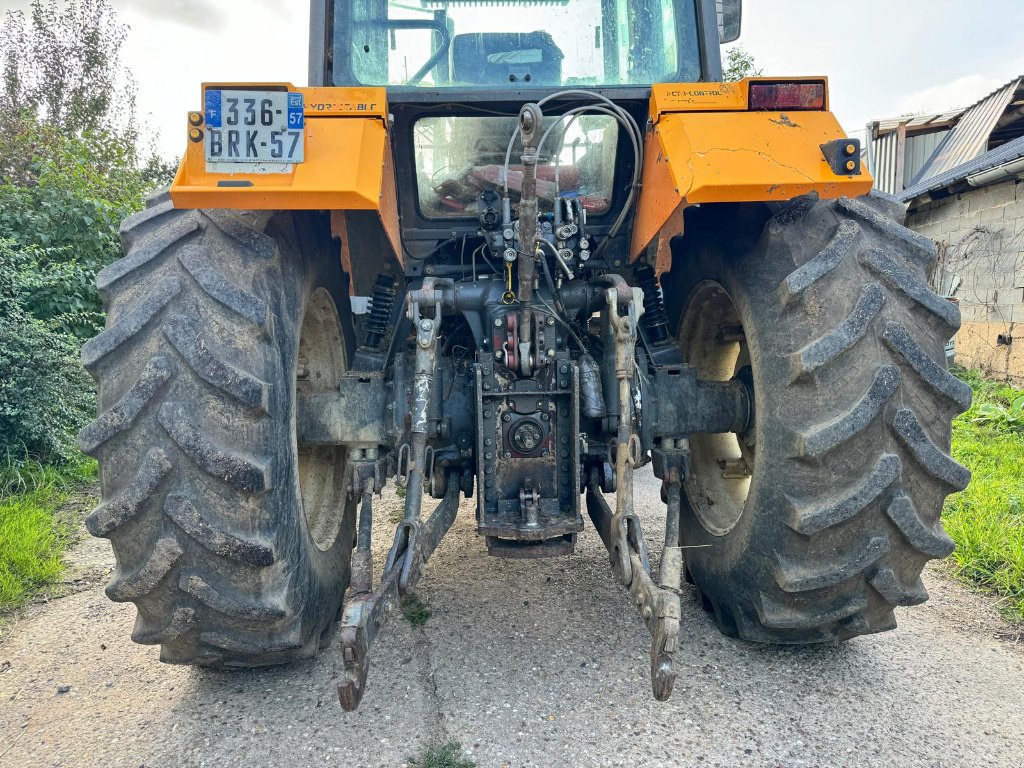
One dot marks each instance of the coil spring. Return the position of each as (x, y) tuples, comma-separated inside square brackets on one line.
[(381, 304), (655, 318)]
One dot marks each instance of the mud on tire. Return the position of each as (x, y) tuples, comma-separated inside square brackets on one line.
[(849, 452), (202, 499)]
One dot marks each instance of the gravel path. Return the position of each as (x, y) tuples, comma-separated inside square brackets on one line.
[(526, 664)]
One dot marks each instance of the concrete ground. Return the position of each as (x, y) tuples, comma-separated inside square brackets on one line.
[(524, 663)]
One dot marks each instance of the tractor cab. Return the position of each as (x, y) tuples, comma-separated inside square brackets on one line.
[(456, 73)]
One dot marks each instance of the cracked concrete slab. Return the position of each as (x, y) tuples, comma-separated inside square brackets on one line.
[(539, 663)]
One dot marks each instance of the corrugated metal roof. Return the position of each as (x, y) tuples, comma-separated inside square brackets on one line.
[(915, 123), (970, 137), (1007, 153)]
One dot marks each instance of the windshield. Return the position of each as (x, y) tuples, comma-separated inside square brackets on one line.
[(515, 43)]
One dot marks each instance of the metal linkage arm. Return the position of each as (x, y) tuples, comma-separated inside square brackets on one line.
[(366, 611), (415, 539), (424, 377), (621, 531), (657, 604)]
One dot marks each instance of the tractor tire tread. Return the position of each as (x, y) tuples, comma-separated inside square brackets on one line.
[(188, 373), (873, 393)]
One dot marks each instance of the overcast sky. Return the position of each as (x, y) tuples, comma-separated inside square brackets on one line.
[(884, 57)]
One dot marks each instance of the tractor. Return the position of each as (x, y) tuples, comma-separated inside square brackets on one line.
[(513, 251)]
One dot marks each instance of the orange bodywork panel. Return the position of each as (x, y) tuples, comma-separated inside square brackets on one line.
[(346, 166), (704, 146), (345, 226)]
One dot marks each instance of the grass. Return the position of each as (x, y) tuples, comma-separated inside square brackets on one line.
[(443, 756), (987, 520), (415, 610), (32, 537)]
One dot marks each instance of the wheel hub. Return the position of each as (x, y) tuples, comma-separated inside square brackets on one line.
[(712, 339)]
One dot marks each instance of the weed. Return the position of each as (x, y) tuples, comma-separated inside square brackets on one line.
[(443, 756), (1002, 417), (415, 610)]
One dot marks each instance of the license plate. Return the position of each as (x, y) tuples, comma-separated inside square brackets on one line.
[(262, 129)]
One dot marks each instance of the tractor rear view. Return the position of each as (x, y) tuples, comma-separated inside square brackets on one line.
[(578, 252)]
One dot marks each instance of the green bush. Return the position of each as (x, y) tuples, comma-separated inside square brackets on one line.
[(56, 232), (62, 223), (52, 285), (45, 395)]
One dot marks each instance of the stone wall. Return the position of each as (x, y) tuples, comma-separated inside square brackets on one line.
[(980, 235)]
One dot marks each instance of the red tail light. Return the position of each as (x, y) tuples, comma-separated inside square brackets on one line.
[(776, 97)]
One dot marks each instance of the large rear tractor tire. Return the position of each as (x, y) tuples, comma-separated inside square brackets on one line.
[(232, 539), (816, 523)]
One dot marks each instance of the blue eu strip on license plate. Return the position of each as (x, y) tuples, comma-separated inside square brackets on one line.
[(213, 115), (265, 130), (296, 111)]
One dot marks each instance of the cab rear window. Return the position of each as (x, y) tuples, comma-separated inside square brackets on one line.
[(458, 158)]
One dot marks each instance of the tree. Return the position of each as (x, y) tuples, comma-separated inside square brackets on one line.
[(739, 64), (62, 67), (64, 91)]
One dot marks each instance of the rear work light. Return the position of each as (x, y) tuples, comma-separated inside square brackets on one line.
[(776, 97)]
